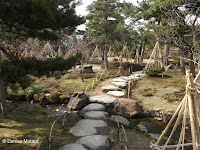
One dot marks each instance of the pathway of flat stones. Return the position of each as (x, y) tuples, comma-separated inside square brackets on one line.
[(95, 116)]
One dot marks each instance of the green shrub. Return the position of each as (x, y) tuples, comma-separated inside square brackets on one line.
[(54, 98), (153, 70)]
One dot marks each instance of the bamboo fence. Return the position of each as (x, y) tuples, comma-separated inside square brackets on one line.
[(188, 108)]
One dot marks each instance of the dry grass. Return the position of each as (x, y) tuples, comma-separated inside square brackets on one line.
[(165, 93)]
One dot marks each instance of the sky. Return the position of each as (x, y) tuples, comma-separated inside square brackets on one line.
[(81, 10)]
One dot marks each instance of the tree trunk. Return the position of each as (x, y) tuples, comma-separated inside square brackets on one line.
[(142, 52), (106, 59), (2, 94), (191, 64), (166, 53), (182, 62)]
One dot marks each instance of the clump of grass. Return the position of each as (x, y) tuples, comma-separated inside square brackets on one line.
[(136, 99), (148, 91)]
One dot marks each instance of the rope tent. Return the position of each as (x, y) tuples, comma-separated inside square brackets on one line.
[(125, 52), (156, 56), (96, 54), (60, 53), (110, 52), (27, 53), (47, 52), (188, 108), (69, 53)]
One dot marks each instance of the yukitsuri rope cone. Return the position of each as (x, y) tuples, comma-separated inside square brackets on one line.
[(189, 107), (156, 56)]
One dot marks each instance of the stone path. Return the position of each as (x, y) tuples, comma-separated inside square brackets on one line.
[(95, 116)]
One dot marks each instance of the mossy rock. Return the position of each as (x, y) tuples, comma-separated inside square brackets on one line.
[(44, 100), (54, 98), (64, 99), (36, 97), (29, 97)]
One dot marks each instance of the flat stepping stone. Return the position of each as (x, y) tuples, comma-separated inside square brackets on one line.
[(119, 80), (127, 78), (138, 72), (120, 84), (120, 119), (96, 115), (116, 93), (93, 107), (134, 77), (73, 147), (108, 88), (92, 123), (83, 130), (106, 100), (95, 142)]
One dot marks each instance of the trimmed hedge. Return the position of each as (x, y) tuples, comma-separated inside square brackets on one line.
[(153, 70)]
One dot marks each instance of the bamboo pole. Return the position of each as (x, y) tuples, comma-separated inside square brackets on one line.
[(191, 111), (171, 121), (196, 78), (180, 116), (194, 99), (172, 146)]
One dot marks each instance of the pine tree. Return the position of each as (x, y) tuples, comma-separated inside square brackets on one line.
[(104, 16)]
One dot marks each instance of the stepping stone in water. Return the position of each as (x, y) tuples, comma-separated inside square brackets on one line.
[(93, 107), (92, 123), (116, 93), (120, 84), (95, 142), (96, 115), (107, 88), (73, 147), (120, 119), (83, 130), (106, 100)]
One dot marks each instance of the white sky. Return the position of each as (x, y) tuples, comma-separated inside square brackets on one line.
[(81, 10)]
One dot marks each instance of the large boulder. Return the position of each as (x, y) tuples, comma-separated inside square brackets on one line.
[(87, 69), (107, 100), (78, 100), (73, 147), (127, 107), (95, 142)]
